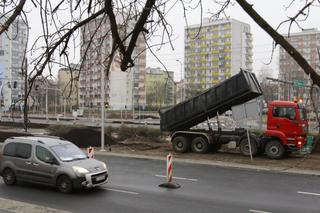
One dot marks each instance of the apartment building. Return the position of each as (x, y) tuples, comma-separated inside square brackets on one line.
[(12, 48), (307, 42), (214, 51), (68, 85), (123, 90), (159, 88)]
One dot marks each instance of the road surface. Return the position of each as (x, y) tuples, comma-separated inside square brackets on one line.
[(133, 187)]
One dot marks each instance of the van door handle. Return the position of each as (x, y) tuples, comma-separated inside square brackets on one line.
[(28, 163), (35, 164)]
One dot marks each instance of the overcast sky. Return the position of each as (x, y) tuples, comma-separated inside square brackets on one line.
[(272, 10)]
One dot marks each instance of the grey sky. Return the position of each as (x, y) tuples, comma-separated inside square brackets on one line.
[(273, 11)]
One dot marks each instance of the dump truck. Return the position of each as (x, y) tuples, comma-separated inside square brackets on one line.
[(287, 126)]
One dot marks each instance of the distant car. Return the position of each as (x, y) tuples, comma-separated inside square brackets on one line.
[(50, 161)]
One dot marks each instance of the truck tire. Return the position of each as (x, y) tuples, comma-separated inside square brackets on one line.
[(199, 145), (180, 144), (244, 147), (274, 150)]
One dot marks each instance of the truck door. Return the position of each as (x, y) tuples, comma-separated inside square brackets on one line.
[(284, 119)]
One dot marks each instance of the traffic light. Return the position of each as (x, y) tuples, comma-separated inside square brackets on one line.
[(15, 84), (106, 105)]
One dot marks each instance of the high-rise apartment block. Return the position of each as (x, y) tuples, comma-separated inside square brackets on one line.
[(123, 90), (214, 51), (159, 88), (307, 43), (68, 85), (12, 49)]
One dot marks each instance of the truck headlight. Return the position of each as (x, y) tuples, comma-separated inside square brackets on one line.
[(79, 170)]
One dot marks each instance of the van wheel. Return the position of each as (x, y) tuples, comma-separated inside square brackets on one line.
[(64, 184), (245, 149), (199, 145), (274, 150), (9, 177), (180, 144)]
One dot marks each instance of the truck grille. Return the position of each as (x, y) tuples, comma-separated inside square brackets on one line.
[(99, 178)]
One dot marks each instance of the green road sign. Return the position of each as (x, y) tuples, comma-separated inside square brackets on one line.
[(298, 83)]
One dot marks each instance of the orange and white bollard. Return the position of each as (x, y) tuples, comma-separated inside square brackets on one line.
[(169, 183), (169, 168), (90, 152)]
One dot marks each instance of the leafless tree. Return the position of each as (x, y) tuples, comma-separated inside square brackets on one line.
[(60, 34)]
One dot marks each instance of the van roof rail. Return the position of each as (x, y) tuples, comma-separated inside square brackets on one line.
[(49, 136)]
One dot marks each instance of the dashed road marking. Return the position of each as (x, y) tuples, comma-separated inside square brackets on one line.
[(121, 191), (178, 178), (308, 193), (258, 211)]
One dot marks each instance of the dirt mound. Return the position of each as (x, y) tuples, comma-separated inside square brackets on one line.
[(81, 136)]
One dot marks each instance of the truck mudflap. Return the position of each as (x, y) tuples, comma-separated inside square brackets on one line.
[(306, 149)]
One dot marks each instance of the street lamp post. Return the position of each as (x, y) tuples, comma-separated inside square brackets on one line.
[(182, 80), (102, 109)]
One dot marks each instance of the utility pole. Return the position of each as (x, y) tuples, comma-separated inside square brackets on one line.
[(102, 108), (25, 107), (47, 102), (182, 81)]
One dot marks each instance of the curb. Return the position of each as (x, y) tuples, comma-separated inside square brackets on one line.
[(12, 206), (287, 170)]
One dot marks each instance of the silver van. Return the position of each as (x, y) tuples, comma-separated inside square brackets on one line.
[(50, 161)]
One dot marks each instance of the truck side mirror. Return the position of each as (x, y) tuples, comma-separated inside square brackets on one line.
[(292, 117)]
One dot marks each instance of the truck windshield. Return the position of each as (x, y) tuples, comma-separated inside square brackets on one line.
[(303, 114), (68, 152)]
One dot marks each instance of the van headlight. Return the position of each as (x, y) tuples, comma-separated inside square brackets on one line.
[(79, 170), (104, 166)]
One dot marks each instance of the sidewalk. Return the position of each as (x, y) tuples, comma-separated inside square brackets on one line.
[(12, 206)]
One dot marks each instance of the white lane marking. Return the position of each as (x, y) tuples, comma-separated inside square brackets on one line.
[(257, 211), (178, 178), (7, 210), (121, 191), (308, 193)]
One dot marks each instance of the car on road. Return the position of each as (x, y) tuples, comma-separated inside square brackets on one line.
[(51, 161)]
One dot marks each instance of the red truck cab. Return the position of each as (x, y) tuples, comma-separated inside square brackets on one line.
[(287, 128)]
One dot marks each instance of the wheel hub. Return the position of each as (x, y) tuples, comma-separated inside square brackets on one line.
[(199, 145), (274, 150)]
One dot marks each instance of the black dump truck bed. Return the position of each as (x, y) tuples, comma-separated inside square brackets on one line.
[(238, 89)]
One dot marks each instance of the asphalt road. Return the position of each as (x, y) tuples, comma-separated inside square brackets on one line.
[(133, 187)]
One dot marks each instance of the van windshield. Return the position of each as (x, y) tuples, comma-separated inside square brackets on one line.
[(68, 152)]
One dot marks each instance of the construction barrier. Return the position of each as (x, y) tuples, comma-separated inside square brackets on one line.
[(169, 168), (169, 183)]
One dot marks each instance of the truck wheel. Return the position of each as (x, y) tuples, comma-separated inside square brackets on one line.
[(199, 145), (180, 144), (274, 150), (244, 147)]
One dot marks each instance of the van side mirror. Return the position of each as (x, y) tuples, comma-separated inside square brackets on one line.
[(51, 160)]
